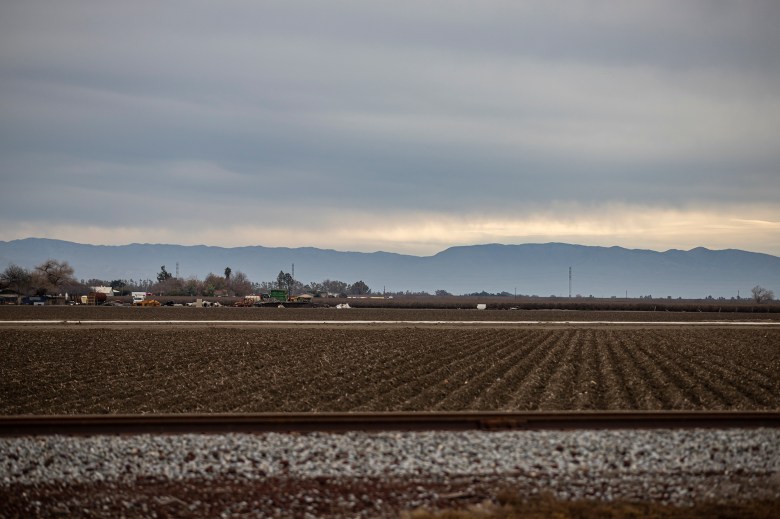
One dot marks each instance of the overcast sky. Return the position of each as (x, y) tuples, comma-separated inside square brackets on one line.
[(404, 126)]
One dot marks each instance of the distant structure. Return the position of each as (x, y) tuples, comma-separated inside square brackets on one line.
[(569, 282)]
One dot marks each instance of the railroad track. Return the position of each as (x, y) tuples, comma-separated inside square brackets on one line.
[(392, 421)]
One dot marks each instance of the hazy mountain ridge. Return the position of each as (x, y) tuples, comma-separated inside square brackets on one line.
[(536, 269)]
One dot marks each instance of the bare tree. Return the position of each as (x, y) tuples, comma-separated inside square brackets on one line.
[(55, 274), (171, 286), (761, 294), (17, 279), (240, 284), (334, 286)]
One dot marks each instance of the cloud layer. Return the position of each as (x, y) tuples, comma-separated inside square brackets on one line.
[(406, 127)]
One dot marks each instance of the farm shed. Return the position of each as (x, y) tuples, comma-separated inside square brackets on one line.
[(8, 297)]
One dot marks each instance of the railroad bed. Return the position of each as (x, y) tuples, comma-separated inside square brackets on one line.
[(381, 474)]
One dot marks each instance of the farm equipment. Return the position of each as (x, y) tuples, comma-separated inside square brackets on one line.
[(279, 298), (279, 295), (148, 302), (94, 298)]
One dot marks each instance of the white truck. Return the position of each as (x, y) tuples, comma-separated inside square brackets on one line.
[(138, 297)]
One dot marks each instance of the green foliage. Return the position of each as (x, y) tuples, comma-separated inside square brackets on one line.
[(163, 274), (359, 288), (284, 281)]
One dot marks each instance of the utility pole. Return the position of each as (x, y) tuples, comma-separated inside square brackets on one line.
[(569, 282)]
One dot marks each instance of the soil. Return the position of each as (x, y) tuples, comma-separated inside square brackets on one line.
[(219, 369), (358, 312), (482, 498), (214, 368)]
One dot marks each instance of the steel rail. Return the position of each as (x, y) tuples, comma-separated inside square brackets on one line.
[(388, 421)]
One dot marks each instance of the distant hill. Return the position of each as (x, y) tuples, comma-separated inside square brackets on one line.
[(532, 269)]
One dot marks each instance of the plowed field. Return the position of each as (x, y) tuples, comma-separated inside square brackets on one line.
[(350, 368), (469, 313)]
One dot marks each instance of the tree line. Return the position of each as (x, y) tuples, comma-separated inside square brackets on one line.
[(55, 277), (238, 284)]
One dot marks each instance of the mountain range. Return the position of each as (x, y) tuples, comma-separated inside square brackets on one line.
[(528, 269)]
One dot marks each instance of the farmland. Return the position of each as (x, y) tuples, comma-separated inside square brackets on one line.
[(213, 368), (123, 360)]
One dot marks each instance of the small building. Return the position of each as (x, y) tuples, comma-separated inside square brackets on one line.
[(8, 297), (34, 300)]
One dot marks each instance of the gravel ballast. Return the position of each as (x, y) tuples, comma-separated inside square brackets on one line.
[(318, 473)]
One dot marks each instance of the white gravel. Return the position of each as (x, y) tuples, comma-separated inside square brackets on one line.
[(673, 466)]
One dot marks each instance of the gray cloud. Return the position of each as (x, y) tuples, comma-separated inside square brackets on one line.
[(447, 108)]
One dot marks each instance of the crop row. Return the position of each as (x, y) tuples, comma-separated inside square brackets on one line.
[(64, 371)]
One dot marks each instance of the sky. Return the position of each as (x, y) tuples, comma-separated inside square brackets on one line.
[(407, 126)]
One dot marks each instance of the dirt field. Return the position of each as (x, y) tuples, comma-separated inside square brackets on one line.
[(289, 368), (469, 313), (212, 367)]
